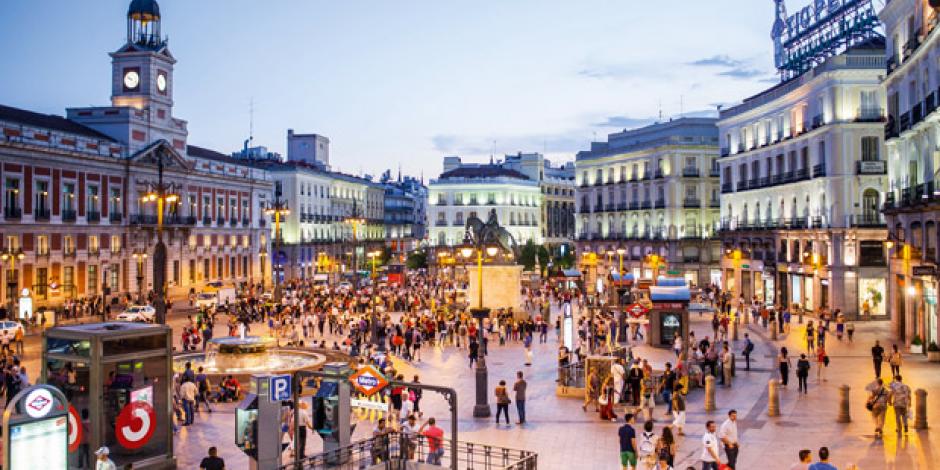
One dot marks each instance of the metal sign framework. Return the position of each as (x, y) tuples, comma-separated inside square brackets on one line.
[(818, 31)]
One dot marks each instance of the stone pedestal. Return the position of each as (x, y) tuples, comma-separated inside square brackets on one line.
[(920, 409), (710, 393), (844, 416), (501, 288), (773, 398)]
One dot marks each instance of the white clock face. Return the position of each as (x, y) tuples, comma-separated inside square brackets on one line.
[(161, 82), (131, 79)]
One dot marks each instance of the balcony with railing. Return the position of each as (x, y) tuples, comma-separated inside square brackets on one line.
[(741, 186), (658, 174), (93, 216), (207, 221), (68, 215), (714, 204), (692, 203), (440, 223), (646, 205), (660, 203), (870, 219), (871, 167), (634, 205), (818, 121), (917, 114), (714, 172), (726, 188), (691, 172), (819, 170), (115, 217), (870, 114), (220, 221), (905, 122), (41, 214), (725, 151)]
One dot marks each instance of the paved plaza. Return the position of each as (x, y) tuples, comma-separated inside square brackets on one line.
[(562, 434)]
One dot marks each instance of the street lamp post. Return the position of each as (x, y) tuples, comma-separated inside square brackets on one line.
[(482, 407), (277, 209), (140, 256), (11, 255), (162, 193), (373, 255)]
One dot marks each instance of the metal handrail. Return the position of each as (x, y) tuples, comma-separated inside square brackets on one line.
[(394, 450)]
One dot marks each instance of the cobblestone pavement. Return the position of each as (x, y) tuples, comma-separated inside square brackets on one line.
[(566, 437)]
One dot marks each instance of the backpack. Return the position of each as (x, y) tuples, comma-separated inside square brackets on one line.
[(647, 447), (749, 348)]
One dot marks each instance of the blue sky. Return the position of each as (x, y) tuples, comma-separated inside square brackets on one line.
[(406, 82)]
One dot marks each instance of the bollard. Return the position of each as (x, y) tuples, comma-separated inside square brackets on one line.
[(920, 408), (747, 316), (710, 393), (844, 416), (734, 329), (773, 330), (773, 399)]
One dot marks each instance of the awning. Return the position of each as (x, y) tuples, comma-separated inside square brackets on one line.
[(669, 294), (671, 282), (571, 273)]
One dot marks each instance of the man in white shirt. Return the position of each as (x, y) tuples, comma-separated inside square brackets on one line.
[(618, 373), (710, 459), (728, 433), (306, 421), (188, 391)]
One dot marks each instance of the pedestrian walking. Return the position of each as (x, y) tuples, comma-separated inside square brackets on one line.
[(104, 462), (806, 458), (627, 437), (900, 399), (502, 401), (519, 388), (823, 463), (647, 389), (802, 373), (877, 404), (678, 409), (728, 433), (748, 349), (666, 448), (877, 357), (212, 461), (710, 458), (666, 385), (646, 449), (783, 363), (188, 393), (822, 362), (895, 361)]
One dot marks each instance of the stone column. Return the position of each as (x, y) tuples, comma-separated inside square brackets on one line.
[(710, 393), (920, 409), (773, 398), (773, 330), (844, 416)]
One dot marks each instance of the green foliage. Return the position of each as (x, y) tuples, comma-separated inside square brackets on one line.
[(417, 260), (933, 347), (528, 254), (917, 341)]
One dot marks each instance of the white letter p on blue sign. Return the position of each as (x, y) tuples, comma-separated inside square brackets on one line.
[(280, 388)]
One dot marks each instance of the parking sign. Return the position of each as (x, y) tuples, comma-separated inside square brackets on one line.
[(280, 387)]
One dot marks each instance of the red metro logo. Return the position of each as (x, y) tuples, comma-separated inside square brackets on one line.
[(135, 425)]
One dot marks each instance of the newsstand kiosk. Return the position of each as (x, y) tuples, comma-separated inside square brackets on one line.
[(121, 390), (669, 315)]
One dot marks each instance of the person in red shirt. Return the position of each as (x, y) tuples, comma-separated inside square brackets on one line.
[(435, 437)]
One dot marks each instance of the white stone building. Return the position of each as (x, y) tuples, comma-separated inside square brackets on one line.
[(802, 179), (466, 190), (652, 190), (912, 208)]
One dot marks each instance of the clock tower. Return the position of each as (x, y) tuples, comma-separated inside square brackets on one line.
[(141, 110), (142, 69)]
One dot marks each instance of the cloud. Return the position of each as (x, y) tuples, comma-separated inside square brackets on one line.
[(607, 71), (625, 122), (451, 144), (742, 73), (717, 61)]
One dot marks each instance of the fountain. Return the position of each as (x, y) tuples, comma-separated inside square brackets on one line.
[(244, 355)]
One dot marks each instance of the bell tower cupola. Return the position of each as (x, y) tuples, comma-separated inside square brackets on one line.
[(143, 24)]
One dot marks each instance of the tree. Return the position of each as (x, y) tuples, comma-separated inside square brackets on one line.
[(527, 255), (417, 260)]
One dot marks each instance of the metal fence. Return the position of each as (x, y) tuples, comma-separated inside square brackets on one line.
[(399, 451)]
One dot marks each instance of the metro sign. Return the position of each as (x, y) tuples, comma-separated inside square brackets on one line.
[(637, 310), (368, 380)]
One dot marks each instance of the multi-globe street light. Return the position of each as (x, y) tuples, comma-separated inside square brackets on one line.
[(482, 407)]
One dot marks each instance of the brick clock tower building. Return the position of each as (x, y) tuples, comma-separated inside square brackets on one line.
[(75, 222)]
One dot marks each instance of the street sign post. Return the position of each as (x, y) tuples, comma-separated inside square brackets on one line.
[(36, 434), (280, 387)]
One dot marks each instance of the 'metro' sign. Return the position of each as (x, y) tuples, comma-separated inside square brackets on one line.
[(368, 380), (820, 29)]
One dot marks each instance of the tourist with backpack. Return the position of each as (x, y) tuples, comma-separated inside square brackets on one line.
[(666, 448), (748, 349), (648, 442)]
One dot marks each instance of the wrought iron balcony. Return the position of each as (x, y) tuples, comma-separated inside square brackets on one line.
[(690, 172), (93, 216), (692, 203), (41, 214), (68, 215), (819, 170), (115, 217)]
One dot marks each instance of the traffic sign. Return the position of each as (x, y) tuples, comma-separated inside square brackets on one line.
[(75, 429), (135, 424), (280, 387), (637, 310), (368, 380)]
